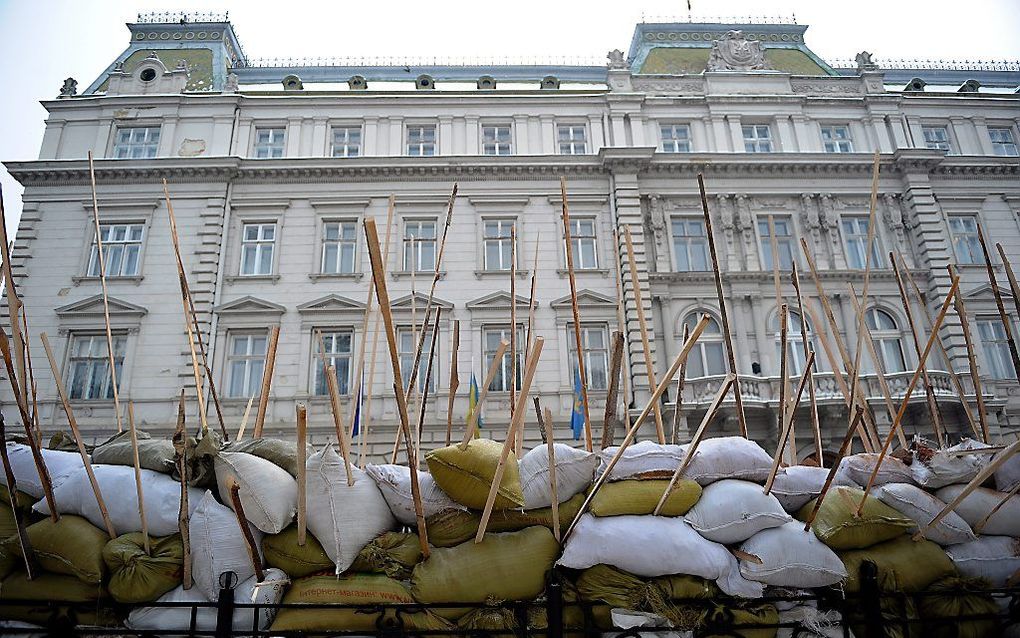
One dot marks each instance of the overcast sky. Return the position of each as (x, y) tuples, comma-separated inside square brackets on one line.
[(44, 41)]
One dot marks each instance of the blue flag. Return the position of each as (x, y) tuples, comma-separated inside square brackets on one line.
[(577, 414), (356, 425), (473, 401)]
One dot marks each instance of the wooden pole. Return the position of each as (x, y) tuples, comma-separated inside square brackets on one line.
[(632, 431), (472, 423), (31, 376), (815, 425), (550, 446), (383, 298), (244, 418), (428, 382), (783, 363), (975, 376), (341, 432), (73, 423), (855, 424), (249, 538), (366, 420), (411, 390), (1011, 276), (27, 553), (723, 315), (660, 431), (138, 479), (106, 297), (180, 442), (454, 380), (790, 414), (515, 423), (910, 388), (621, 322), (531, 298), (267, 381), (615, 362), (681, 377), (1006, 324), (14, 305), (513, 326), (784, 381), (302, 481), (569, 246)]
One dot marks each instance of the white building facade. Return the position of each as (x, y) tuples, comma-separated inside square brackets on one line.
[(273, 168)]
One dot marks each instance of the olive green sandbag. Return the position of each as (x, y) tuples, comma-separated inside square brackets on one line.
[(466, 475), (137, 577), (904, 565), (639, 497), (350, 589), (23, 501), (394, 554), (838, 526), (8, 524), (956, 602), (276, 451), (153, 454), (617, 588), (453, 527), (744, 613), (283, 552), (504, 566), (71, 546), (60, 594)]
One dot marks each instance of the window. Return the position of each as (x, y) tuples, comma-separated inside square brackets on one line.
[(966, 244), (122, 248), (757, 138), (337, 346), (690, 244), (993, 340), (421, 140), (707, 358), (1002, 141), (582, 243), (420, 246), (257, 241), (137, 142), (596, 355), (784, 242), (269, 142), (795, 358), (836, 139), (937, 138), (571, 139), (346, 141), (676, 138), (90, 365), (406, 347), (496, 140), (490, 343), (855, 238), (245, 364), (497, 244), (339, 240), (886, 335)]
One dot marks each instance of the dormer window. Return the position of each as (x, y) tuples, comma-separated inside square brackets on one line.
[(136, 142)]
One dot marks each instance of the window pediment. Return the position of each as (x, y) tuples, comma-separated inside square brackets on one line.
[(331, 303), (497, 301), (249, 305), (585, 299), (403, 304), (92, 308)]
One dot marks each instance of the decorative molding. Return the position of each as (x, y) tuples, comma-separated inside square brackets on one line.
[(249, 305), (332, 304), (499, 300), (403, 304), (92, 308), (586, 298)]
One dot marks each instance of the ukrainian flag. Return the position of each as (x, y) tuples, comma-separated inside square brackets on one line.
[(577, 414), (473, 403)]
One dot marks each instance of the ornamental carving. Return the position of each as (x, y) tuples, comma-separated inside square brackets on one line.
[(734, 52)]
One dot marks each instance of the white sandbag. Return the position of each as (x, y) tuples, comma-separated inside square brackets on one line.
[(268, 493), (653, 546), (574, 470), (646, 459), (797, 484), (791, 557), (1008, 474), (730, 511), (921, 507), (860, 466), (117, 485), (728, 457), (976, 506), (173, 621), (933, 468), (628, 619), (394, 481), (994, 558), (59, 464), (343, 518), (810, 621), (218, 545)]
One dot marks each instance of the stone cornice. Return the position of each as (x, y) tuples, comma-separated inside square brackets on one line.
[(982, 165), (765, 276)]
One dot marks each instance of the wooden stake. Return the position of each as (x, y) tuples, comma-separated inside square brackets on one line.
[(784, 380), (975, 376), (341, 432), (31, 376), (1006, 323), (383, 298), (783, 363), (454, 380), (531, 299), (615, 362), (366, 417), (412, 387), (497, 360), (621, 323), (569, 246), (815, 425), (910, 388), (515, 423), (267, 381), (180, 442), (513, 331), (681, 377), (550, 441), (643, 325), (790, 414), (244, 418), (249, 538), (138, 479), (14, 305), (25, 544), (720, 395), (425, 391), (727, 337), (855, 424), (302, 499), (632, 431), (1013, 286)]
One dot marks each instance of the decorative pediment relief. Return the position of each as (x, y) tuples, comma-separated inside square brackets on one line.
[(499, 300), (585, 299), (92, 308), (330, 304), (985, 292), (249, 305), (403, 304)]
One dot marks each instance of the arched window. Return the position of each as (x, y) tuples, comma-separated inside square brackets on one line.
[(886, 335), (708, 357), (795, 356)]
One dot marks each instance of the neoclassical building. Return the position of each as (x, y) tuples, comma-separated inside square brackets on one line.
[(274, 165)]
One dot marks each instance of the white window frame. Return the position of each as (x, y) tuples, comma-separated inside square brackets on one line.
[(425, 144), (493, 334), (96, 362), (114, 250), (995, 348), (787, 241), (966, 242), (254, 363), (936, 137), (689, 242), (575, 140), (596, 359), (795, 358), (711, 338), (501, 240), (336, 355), (497, 139), (274, 146), (342, 244), (131, 148), (1003, 141), (888, 340), (836, 138), (855, 238), (258, 245), (757, 138), (579, 239), (412, 260), (345, 140), (671, 139)]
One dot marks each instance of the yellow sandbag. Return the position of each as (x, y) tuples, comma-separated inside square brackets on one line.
[(639, 497), (349, 589), (283, 552), (394, 554), (956, 601), (838, 526), (903, 565), (137, 577), (617, 588), (60, 592), (71, 546), (466, 475), (453, 527)]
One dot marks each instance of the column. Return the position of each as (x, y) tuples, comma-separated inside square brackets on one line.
[(102, 145), (548, 126), (916, 132), (720, 137), (699, 137), (320, 139), (742, 345), (472, 135), (736, 133), (899, 133), (619, 129), (862, 136), (293, 141), (242, 140), (370, 136), (458, 135), (167, 132), (445, 135), (51, 139), (787, 139), (522, 145), (766, 357), (396, 136), (598, 137), (965, 136), (985, 142), (881, 131), (637, 129), (807, 140)]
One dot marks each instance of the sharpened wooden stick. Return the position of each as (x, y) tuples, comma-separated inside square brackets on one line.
[(138, 479), (423, 405), (267, 381), (720, 396), (569, 251), (975, 375), (815, 425), (494, 367), (14, 305), (621, 324), (855, 424), (1007, 325), (366, 416), (73, 423), (518, 442), (1014, 287), (616, 361), (660, 431), (302, 481), (24, 543), (244, 418), (412, 389), (550, 441), (784, 313), (787, 422), (180, 441), (31, 377), (515, 423), (723, 315), (784, 380), (249, 538), (341, 432), (681, 377), (454, 380)]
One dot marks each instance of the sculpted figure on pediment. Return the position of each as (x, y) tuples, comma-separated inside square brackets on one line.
[(734, 52)]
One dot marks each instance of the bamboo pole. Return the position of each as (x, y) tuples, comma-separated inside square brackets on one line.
[(621, 322), (1006, 324), (815, 425), (551, 448), (855, 424), (910, 388), (428, 382), (569, 246), (302, 481), (73, 423), (784, 382), (383, 298), (494, 367), (632, 431), (515, 422), (929, 392), (723, 315), (106, 297), (784, 437), (681, 377), (244, 418), (1014, 288), (975, 376), (713, 409), (249, 538), (14, 305), (180, 442), (267, 381), (783, 363), (660, 431), (138, 479), (367, 408), (616, 360), (24, 543), (454, 380)]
